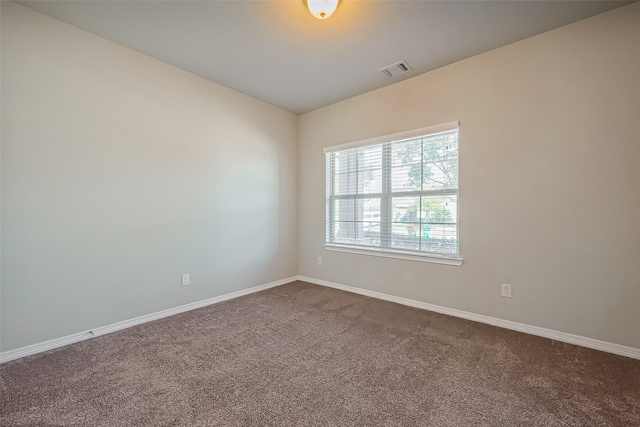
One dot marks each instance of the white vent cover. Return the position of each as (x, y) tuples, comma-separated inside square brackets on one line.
[(395, 69)]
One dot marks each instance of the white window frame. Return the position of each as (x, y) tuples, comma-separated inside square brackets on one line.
[(386, 251)]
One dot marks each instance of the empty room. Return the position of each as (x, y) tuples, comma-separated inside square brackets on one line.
[(320, 213)]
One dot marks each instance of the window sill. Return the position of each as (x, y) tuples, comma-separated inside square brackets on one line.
[(395, 254)]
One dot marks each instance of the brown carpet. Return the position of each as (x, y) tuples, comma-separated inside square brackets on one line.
[(302, 355)]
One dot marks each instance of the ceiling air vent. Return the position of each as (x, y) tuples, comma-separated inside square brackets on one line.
[(395, 69)]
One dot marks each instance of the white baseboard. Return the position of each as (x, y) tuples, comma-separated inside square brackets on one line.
[(81, 336), (608, 347)]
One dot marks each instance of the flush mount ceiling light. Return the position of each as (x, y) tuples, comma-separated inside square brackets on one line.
[(322, 9)]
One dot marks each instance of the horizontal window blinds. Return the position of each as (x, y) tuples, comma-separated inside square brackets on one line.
[(394, 137), (400, 195)]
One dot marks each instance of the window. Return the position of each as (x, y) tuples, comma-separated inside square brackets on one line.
[(396, 195)]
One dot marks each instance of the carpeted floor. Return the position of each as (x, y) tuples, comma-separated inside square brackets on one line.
[(304, 355)]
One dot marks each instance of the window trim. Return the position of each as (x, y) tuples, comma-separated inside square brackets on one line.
[(390, 252)]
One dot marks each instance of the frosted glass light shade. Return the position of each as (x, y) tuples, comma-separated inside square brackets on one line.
[(322, 9)]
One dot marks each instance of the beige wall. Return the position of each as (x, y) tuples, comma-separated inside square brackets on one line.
[(120, 173), (549, 180)]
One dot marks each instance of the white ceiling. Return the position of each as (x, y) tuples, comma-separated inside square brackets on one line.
[(277, 52)]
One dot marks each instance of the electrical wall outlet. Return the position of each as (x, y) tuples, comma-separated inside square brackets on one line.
[(186, 280), (319, 260), (506, 290)]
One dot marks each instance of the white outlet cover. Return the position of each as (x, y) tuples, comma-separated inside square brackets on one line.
[(506, 290), (186, 279)]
